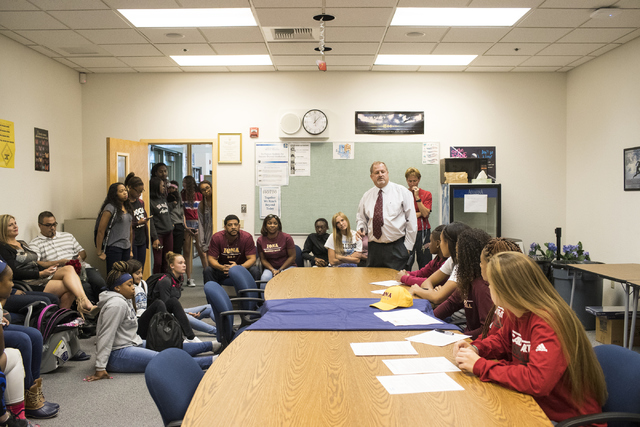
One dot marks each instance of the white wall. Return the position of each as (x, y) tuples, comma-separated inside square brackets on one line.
[(603, 104), (36, 91), (523, 115)]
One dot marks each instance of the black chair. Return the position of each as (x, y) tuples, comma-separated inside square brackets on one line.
[(621, 368), (172, 378)]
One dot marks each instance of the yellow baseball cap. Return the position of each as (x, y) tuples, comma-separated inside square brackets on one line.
[(393, 297)]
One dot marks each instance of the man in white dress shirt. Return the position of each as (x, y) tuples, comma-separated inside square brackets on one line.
[(386, 214)]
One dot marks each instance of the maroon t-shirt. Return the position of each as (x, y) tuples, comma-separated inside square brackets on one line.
[(236, 251), (276, 250)]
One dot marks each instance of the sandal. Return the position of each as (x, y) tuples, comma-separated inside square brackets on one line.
[(91, 313)]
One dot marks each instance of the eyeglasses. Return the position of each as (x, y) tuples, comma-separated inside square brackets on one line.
[(55, 224)]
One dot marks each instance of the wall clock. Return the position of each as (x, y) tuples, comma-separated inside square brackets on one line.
[(314, 122)]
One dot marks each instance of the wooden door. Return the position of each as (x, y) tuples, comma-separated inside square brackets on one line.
[(130, 156)]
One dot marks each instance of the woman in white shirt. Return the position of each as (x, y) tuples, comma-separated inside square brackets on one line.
[(342, 245)]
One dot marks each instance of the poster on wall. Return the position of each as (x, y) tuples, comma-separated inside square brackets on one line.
[(488, 153), (632, 169), (344, 151), (272, 164), (7, 144), (390, 122), (269, 201), (300, 159), (41, 137), (430, 153)]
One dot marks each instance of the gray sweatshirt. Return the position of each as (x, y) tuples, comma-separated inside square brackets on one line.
[(117, 327)]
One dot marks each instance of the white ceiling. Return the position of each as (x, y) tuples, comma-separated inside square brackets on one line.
[(91, 36)]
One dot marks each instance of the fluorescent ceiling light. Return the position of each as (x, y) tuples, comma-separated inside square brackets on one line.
[(424, 59), (457, 16), (221, 60), (183, 18)]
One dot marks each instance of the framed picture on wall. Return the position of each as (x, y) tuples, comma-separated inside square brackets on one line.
[(229, 148), (632, 169)]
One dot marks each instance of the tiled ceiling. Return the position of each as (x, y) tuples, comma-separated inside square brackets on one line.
[(91, 36)]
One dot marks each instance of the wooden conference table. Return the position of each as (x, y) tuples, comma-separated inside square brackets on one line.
[(628, 275), (312, 378)]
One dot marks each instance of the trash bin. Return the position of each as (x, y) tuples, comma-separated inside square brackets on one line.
[(588, 291)]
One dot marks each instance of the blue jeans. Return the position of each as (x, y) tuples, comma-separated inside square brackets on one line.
[(196, 322), (116, 254), (29, 342), (135, 359)]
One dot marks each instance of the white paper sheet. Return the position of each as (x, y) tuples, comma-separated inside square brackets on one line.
[(407, 317), (475, 203), (421, 383), (388, 348), (379, 292), (387, 283), (423, 365), (437, 338)]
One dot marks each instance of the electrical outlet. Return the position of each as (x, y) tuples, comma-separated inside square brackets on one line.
[(613, 285), (242, 224), (243, 208)]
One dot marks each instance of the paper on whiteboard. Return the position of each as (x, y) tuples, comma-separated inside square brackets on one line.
[(421, 383), (475, 203)]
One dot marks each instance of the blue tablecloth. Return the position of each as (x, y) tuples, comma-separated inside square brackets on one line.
[(333, 314)]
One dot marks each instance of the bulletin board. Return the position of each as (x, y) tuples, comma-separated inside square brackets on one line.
[(338, 185)]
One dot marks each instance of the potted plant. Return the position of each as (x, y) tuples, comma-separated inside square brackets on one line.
[(543, 257)]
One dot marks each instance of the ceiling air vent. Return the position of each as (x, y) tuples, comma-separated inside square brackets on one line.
[(273, 34)]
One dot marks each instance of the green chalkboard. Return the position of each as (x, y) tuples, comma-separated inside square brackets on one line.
[(338, 185)]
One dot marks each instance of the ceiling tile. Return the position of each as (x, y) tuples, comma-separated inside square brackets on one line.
[(69, 4), (595, 35), (581, 61), (632, 35), (91, 19), (142, 4), (45, 51), (628, 18), (442, 69), (301, 17), (535, 35), (571, 49), (524, 49), (604, 49), (285, 3), (477, 35), (158, 69), (350, 60), (113, 36), (461, 48), (633, 4), (504, 61), (354, 34), (549, 61), (16, 37), (109, 70), (535, 69), (350, 68), (299, 48), (407, 48), (98, 62), (232, 35), (505, 3), (65, 61), (361, 3), (387, 68), (585, 4), (17, 5), (433, 3), (56, 38), (205, 69), (240, 48), (30, 21), (297, 68), (131, 49), (179, 49), (565, 69), (555, 18), (289, 17), (294, 60), (399, 34), (252, 69), (148, 61), (360, 16), (488, 69), (218, 3)]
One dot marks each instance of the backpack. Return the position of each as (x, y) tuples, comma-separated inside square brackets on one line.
[(164, 332), (51, 318), (151, 284), (106, 233)]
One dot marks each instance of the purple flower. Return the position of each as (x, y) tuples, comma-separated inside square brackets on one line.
[(552, 247)]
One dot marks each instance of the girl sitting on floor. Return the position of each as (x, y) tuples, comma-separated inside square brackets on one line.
[(343, 247), (542, 348), (120, 347)]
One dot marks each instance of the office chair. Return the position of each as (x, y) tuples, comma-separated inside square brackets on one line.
[(223, 313), (172, 378), (621, 368), (245, 286)]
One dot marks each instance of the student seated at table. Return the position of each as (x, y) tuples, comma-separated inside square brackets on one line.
[(314, 250), (419, 276), (120, 347), (496, 314), (472, 292), (343, 246), (442, 283), (542, 348), (276, 249)]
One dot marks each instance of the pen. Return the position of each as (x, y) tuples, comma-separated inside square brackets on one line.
[(444, 332)]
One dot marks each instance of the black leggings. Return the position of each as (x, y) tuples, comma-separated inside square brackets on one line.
[(172, 306)]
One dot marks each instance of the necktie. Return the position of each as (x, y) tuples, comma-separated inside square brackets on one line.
[(377, 217)]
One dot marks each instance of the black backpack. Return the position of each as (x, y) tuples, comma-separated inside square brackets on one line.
[(49, 319), (164, 332), (151, 284)]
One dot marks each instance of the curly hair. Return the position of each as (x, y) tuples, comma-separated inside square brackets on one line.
[(470, 245), (119, 268), (450, 234)]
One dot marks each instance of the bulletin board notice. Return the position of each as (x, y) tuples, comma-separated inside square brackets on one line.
[(7, 144)]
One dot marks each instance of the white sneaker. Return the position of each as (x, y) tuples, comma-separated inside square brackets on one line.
[(191, 283), (195, 339)]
